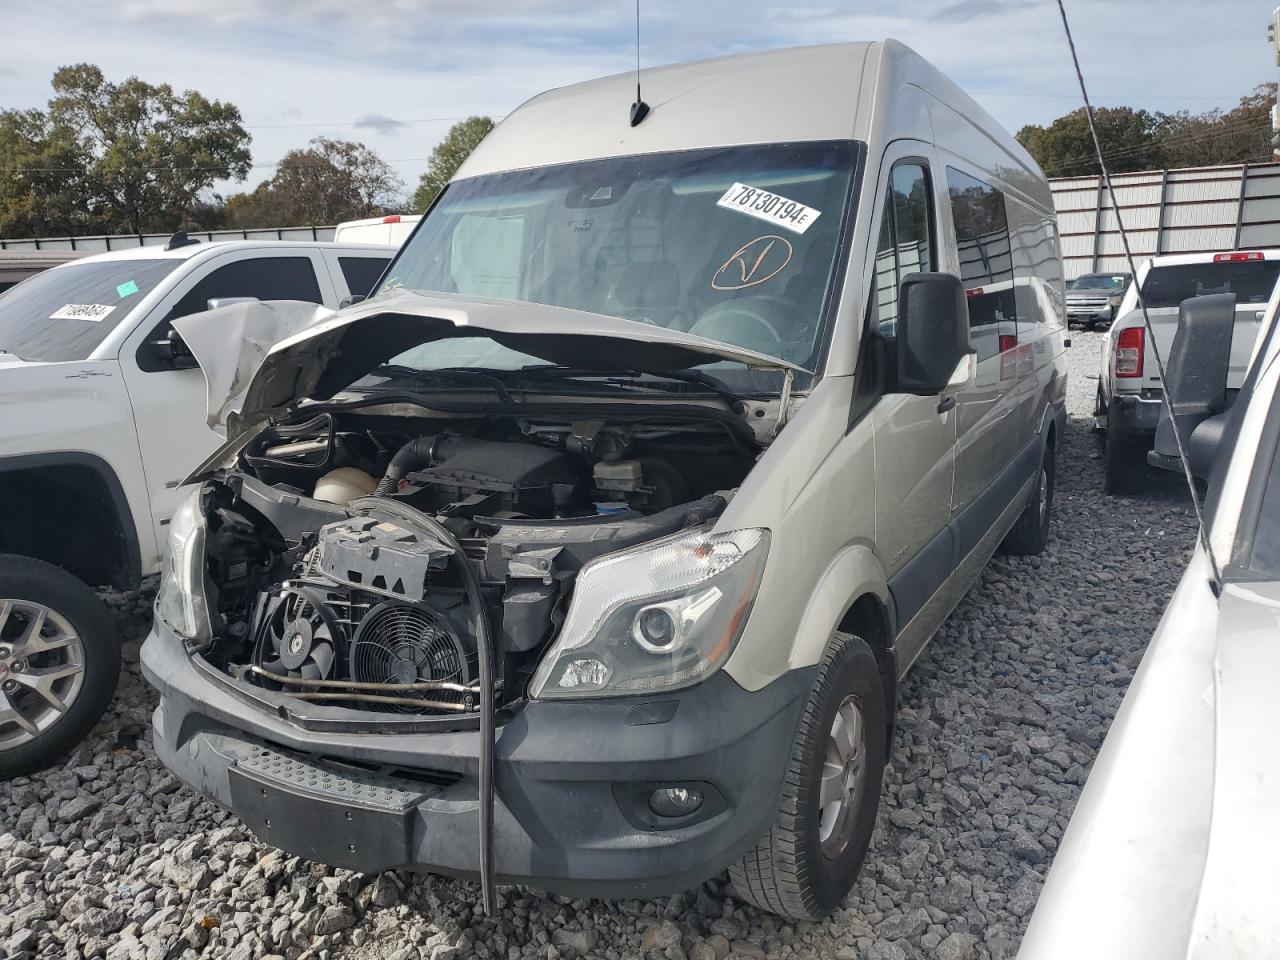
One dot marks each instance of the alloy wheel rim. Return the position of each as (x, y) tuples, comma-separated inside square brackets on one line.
[(1044, 493), (41, 670), (843, 777)]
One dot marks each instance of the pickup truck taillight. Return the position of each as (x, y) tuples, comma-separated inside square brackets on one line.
[(1129, 352)]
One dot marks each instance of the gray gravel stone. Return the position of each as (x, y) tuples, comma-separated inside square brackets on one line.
[(999, 722)]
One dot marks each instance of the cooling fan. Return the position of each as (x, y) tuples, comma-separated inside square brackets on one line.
[(304, 634), (400, 642)]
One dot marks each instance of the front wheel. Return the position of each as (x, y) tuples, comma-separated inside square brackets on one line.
[(59, 663), (808, 861)]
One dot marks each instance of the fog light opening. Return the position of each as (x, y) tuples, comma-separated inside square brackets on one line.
[(674, 802)]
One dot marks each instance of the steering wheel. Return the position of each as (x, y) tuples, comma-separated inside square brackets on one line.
[(730, 314)]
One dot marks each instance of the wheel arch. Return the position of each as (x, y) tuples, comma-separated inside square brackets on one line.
[(852, 596), (69, 509)]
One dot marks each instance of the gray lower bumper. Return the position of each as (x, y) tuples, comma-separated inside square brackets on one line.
[(572, 781)]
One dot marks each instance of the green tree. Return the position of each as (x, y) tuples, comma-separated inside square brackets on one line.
[(1131, 140), (447, 157), (1239, 135), (43, 188), (328, 181), (151, 151)]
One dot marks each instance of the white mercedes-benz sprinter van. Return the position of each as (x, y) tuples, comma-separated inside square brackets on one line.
[(588, 552)]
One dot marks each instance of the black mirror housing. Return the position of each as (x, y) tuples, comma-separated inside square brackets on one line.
[(1196, 381), (177, 352), (932, 332)]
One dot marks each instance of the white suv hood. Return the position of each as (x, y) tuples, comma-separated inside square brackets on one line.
[(318, 352)]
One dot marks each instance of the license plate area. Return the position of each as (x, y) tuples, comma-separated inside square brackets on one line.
[(336, 815)]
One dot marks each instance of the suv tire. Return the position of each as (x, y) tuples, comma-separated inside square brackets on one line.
[(1030, 533), (1125, 462), (38, 671), (808, 861)]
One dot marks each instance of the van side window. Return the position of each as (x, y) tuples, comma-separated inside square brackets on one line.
[(986, 261), (1037, 270), (906, 238)]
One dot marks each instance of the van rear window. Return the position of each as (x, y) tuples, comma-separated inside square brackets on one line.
[(1250, 280)]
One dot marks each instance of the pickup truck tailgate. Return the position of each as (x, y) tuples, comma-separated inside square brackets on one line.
[(1164, 324)]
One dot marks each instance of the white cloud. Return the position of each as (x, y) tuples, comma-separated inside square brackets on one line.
[(386, 71)]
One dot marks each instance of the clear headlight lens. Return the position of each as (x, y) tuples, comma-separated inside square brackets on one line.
[(657, 617), (181, 602), (1115, 301)]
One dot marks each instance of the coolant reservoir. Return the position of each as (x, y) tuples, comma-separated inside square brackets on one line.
[(344, 485)]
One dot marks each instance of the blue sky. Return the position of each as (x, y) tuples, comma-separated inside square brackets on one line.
[(395, 73)]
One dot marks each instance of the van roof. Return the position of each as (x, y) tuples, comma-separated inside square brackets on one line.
[(825, 92)]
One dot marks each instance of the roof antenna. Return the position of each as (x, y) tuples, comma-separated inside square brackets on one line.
[(639, 109)]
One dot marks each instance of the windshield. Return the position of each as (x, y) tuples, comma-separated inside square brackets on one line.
[(735, 244), (1250, 280), (1112, 282), (64, 313)]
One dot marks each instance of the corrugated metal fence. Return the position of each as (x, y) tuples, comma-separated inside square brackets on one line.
[(1193, 210)]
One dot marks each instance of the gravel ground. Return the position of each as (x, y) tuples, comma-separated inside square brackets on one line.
[(999, 723)]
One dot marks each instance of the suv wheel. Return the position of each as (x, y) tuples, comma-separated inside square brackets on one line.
[(1030, 533), (807, 862), (1125, 462), (59, 663)]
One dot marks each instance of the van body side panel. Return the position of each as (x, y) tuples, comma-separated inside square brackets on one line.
[(814, 489)]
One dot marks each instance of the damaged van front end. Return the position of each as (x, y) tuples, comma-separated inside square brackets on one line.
[(375, 602)]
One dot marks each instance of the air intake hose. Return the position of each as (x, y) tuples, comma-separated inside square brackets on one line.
[(420, 453)]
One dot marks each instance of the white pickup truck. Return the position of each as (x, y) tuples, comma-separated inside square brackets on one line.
[(102, 414), (1129, 387)]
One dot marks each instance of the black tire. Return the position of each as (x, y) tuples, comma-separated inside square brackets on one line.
[(1030, 533), (787, 872), (1125, 462), (25, 579)]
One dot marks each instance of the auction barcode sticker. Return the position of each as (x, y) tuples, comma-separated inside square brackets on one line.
[(82, 311), (770, 207)]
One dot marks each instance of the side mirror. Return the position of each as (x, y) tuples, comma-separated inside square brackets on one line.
[(174, 352), (348, 301), (1196, 381), (932, 333), (215, 302)]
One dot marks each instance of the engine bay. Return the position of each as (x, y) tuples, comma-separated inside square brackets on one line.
[(353, 557)]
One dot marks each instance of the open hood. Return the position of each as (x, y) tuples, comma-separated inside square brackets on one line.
[(326, 352), (232, 342)]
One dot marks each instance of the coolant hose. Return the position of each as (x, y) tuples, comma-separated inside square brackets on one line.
[(484, 656)]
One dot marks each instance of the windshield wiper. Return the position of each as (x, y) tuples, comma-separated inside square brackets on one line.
[(418, 376), (629, 378)]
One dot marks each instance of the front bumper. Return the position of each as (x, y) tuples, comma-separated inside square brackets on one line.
[(572, 780), (1080, 313)]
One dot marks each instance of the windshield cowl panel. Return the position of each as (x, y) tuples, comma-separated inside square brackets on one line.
[(734, 244)]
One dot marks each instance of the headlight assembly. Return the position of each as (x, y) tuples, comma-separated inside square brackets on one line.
[(657, 617), (181, 601)]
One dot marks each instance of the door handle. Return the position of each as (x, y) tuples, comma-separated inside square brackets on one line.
[(946, 403)]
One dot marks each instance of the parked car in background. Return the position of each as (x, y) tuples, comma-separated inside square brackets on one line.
[(682, 442), (1094, 299), (391, 230), (17, 265), (104, 414), (1172, 848), (1129, 388)]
